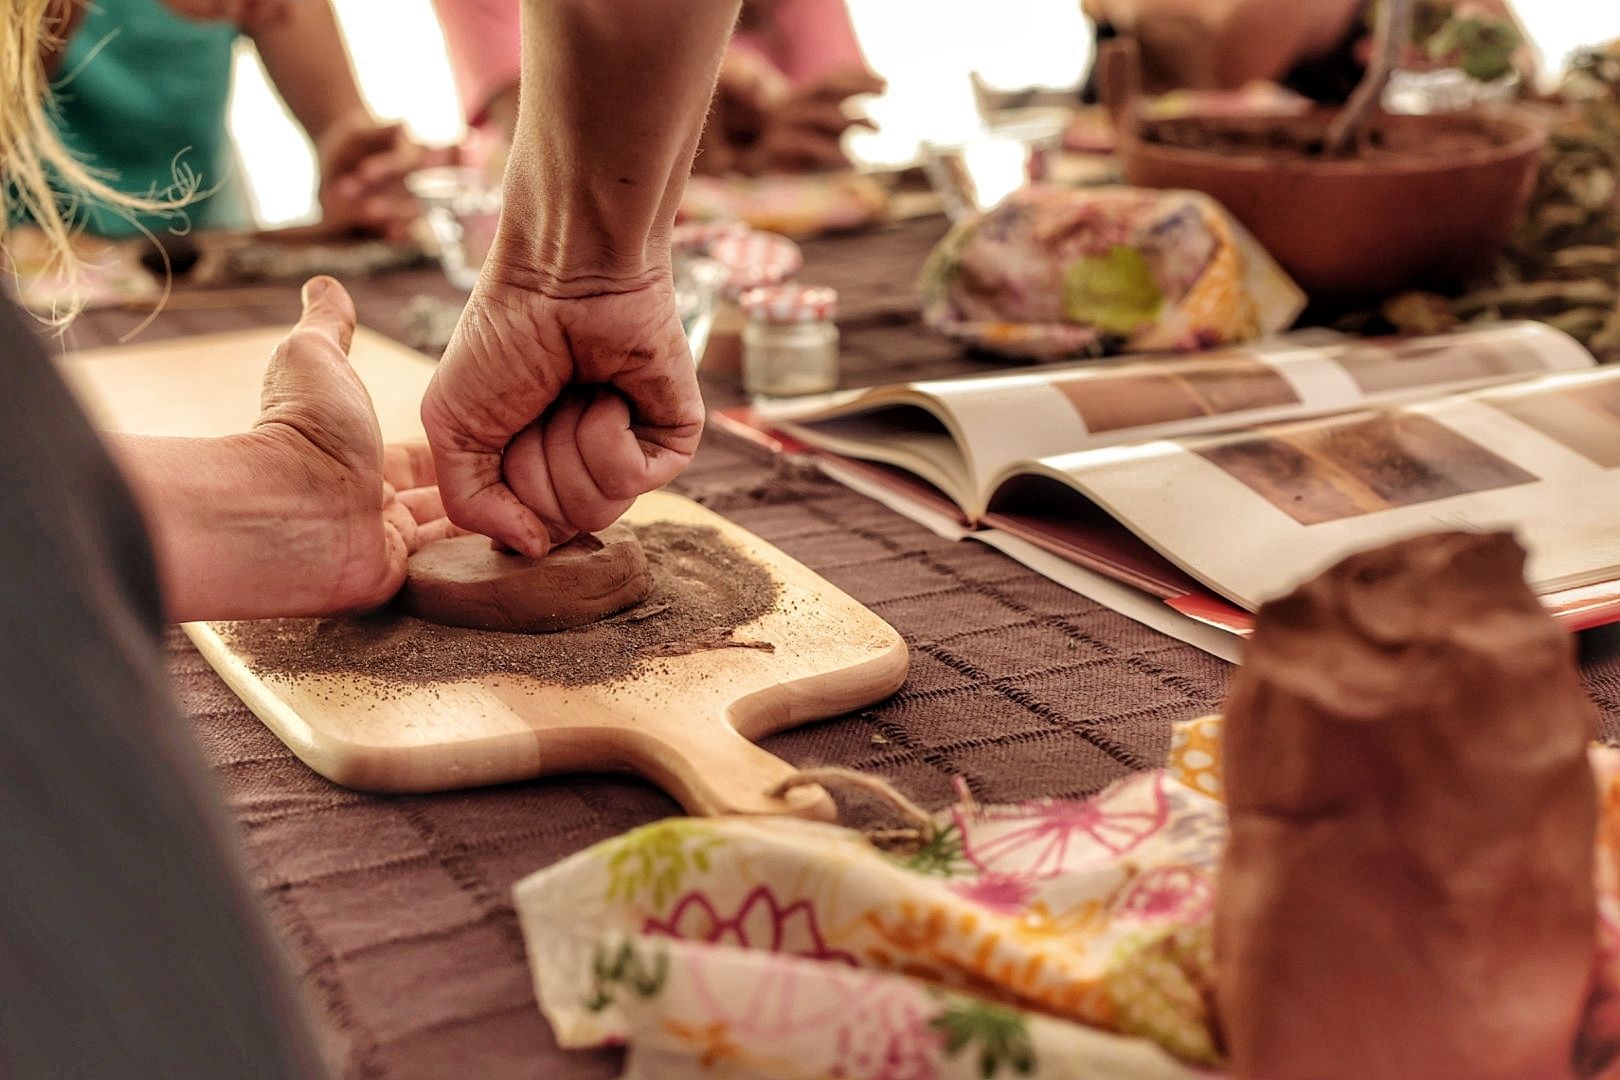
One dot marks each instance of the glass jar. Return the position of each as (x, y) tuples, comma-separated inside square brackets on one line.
[(752, 259), (697, 285), (790, 344), (462, 207)]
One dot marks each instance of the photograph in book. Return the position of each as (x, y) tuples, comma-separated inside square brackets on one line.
[(1316, 472), (1451, 360), (1584, 417), (1177, 390), (963, 435), (1253, 513)]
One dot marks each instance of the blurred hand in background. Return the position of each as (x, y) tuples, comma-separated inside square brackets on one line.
[(761, 122), (363, 165)]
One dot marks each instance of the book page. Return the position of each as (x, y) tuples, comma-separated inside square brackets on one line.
[(963, 434), (957, 436), (1252, 514)]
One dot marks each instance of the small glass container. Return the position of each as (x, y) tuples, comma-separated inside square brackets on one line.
[(462, 206), (790, 345), (697, 283), (751, 259)]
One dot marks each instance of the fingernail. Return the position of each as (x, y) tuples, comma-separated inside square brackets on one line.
[(313, 290)]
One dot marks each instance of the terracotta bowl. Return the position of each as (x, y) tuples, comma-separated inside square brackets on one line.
[(1430, 204)]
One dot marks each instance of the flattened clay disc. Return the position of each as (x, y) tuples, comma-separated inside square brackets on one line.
[(463, 581)]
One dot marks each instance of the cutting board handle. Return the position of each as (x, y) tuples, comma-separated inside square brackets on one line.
[(711, 769)]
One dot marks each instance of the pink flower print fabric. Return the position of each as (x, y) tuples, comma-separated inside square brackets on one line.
[(785, 948), (1042, 840), (1058, 939), (761, 922)]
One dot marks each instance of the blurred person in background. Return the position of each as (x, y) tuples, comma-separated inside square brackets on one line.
[(143, 88), (779, 103), (1317, 48), (130, 940)]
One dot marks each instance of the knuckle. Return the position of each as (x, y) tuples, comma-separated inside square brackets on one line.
[(620, 486)]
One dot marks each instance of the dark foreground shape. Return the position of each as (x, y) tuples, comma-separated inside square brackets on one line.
[(1408, 887)]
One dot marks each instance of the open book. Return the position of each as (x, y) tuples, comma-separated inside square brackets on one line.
[(1217, 481)]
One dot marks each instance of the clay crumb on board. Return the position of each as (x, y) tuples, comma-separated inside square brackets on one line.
[(704, 588)]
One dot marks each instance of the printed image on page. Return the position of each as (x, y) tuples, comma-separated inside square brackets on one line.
[(1253, 514), (963, 435)]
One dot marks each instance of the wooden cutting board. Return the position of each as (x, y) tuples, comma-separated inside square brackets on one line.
[(686, 723)]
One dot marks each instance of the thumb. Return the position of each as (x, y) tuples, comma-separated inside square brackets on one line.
[(328, 311), (310, 387)]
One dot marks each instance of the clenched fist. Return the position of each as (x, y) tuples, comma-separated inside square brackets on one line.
[(554, 408)]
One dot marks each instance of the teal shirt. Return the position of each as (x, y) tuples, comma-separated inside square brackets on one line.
[(146, 91)]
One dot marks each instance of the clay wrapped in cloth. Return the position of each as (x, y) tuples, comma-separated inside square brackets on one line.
[(1057, 273)]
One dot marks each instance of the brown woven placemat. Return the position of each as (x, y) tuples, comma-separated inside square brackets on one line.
[(396, 910)]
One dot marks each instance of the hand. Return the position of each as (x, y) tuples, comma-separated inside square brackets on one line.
[(363, 165), (554, 407), (760, 123), (305, 514), (804, 131), (365, 507)]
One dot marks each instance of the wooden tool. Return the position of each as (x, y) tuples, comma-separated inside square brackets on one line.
[(686, 723)]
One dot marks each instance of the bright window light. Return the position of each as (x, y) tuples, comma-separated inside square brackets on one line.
[(927, 49)]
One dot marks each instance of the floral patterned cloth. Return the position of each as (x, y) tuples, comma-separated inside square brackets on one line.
[(1055, 273), (1055, 939)]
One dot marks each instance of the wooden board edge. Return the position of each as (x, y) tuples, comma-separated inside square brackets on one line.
[(120, 352), (758, 711), (495, 759), (823, 695)]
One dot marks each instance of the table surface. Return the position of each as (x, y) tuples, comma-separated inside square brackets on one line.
[(396, 910)]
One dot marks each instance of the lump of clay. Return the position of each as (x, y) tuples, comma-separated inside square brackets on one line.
[(1407, 890), (463, 581)]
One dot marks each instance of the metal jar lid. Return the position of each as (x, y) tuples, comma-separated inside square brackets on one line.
[(789, 303)]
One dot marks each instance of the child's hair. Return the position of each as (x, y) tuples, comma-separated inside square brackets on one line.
[(42, 178)]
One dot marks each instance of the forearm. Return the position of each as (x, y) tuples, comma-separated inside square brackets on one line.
[(304, 54), (614, 95), (232, 533)]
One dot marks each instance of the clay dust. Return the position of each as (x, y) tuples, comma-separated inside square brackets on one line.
[(703, 589)]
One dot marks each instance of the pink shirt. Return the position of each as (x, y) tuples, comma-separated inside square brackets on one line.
[(486, 49), (805, 39)]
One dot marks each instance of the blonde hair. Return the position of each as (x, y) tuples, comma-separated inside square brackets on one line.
[(44, 179)]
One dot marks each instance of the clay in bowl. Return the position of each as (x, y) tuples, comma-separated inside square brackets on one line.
[(1426, 201)]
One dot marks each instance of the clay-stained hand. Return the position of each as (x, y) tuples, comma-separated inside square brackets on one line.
[(362, 508), (363, 165), (804, 131), (760, 123), (556, 405)]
